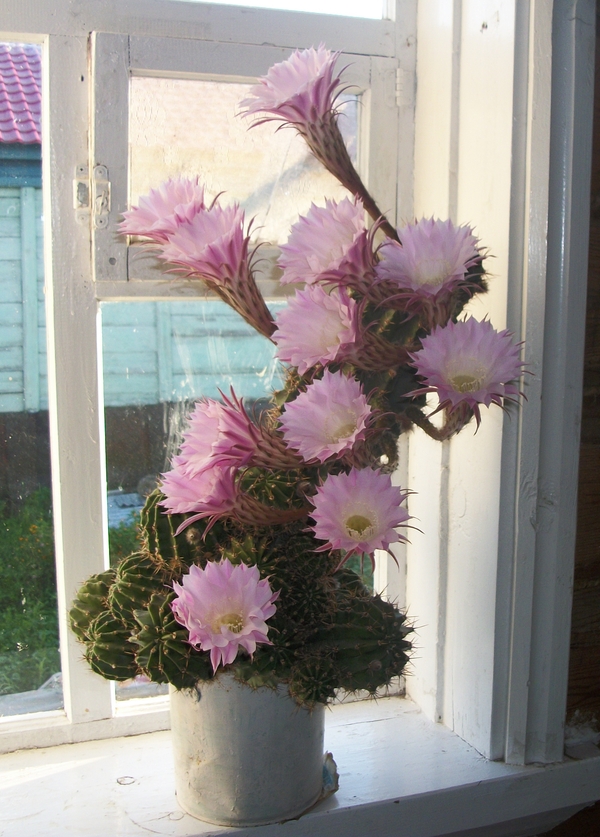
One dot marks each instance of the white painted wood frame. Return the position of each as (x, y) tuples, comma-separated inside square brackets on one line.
[(503, 141)]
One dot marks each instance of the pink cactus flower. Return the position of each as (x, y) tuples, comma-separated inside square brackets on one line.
[(222, 433), (327, 419), (224, 607), (299, 90), (323, 240), (427, 267), (201, 435), (303, 92), (162, 210), (218, 433), (316, 327), (358, 512), (433, 256), (211, 492), (469, 363), (210, 244), (246, 443)]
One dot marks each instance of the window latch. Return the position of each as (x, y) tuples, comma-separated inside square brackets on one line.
[(91, 196)]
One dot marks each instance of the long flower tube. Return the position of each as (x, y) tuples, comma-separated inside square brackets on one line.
[(214, 493), (249, 443), (303, 92), (207, 241), (213, 245)]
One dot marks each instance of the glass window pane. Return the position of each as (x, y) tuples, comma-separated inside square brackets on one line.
[(30, 679), (159, 357), (190, 127)]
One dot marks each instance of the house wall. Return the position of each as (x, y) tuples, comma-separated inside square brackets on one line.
[(23, 379)]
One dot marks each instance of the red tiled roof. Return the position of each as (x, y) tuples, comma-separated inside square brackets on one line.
[(20, 93)]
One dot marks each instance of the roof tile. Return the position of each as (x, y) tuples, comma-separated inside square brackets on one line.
[(20, 93)]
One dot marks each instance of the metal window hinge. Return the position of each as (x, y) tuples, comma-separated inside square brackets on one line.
[(91, 196)]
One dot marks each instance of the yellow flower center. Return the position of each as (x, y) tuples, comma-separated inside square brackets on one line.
[(432, 271), (233, 621), (343, 430), (359, 526), (467, 382)]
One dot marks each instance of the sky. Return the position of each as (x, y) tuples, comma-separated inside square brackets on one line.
[(349, 8)]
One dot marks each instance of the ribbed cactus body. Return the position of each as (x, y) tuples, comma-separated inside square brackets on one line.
[(137, 578), (363, 649), (163, 651), (109, 651), (266, 668), (195, 545), (273, 489), (91, 600)]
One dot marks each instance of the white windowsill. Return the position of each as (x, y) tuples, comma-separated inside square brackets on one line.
[(400, 775)]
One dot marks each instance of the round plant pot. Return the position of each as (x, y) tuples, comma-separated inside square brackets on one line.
[(245, 756)]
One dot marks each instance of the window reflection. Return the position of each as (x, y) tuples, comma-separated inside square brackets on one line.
[(189, 127)]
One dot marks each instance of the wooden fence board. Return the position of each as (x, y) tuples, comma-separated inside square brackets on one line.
[(11, 359), (10, 204), (132, 365), (9, 226), (128, 314), (10, 249), (11, 382), (11, 402), (10, 315), (30, 282), (11, 281), (11, 336)]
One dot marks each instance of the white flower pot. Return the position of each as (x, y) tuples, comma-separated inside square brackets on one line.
[(244, 756)]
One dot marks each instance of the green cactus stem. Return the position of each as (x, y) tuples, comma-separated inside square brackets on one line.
[(138, 577), (163, 651), (91, 600), (108, 648)]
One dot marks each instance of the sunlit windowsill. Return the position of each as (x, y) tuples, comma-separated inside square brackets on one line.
[(400, 775)]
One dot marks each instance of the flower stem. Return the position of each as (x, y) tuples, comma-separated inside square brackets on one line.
[(326, 142), (455, 421)]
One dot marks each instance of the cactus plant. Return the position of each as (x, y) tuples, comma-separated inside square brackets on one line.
[(281, 500)]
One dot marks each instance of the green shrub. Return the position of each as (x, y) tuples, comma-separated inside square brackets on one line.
[(123, 540), (29, 645), (28, 617)]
